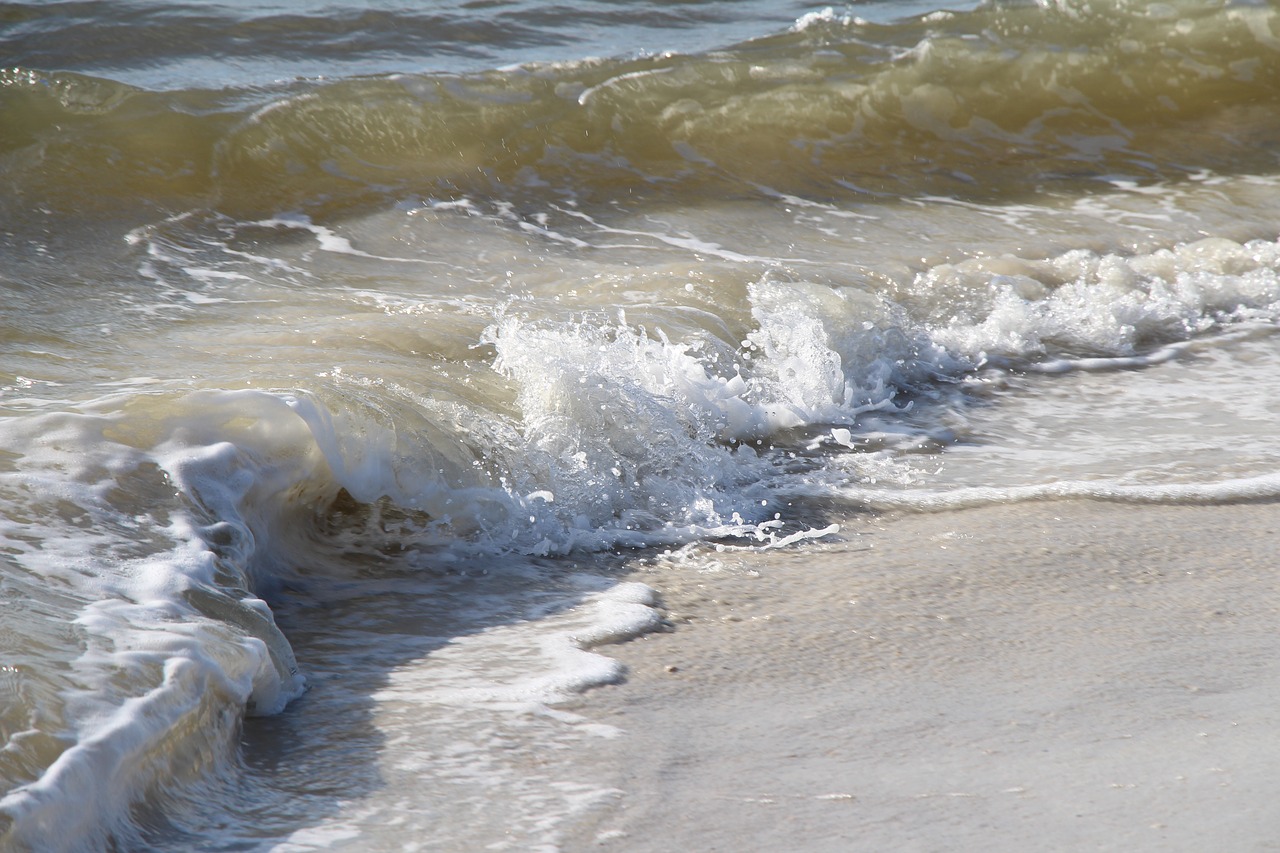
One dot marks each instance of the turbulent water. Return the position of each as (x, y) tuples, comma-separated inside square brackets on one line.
[(351, 352)]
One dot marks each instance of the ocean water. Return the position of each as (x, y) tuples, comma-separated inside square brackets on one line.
[(352, 352)]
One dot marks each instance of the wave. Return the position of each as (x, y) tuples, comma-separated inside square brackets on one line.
[(996, 103)]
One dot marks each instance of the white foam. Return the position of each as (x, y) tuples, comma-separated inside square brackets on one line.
[(531, 665), (169, 658), (329, 240), (1262, 487), (825, 16), (1110, 305), (694, 245)]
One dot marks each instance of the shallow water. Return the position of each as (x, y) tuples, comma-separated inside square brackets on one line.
[(352, 353)]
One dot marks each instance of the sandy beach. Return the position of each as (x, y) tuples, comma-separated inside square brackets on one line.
[(1068, 675)]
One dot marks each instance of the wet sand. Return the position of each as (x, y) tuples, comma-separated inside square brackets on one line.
[(1068, 675)]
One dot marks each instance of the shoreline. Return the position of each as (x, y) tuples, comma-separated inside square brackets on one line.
[(1058, 675)]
